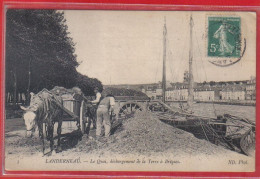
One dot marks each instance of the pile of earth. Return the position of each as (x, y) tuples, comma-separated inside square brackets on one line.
[(142, 135), (145, 135)]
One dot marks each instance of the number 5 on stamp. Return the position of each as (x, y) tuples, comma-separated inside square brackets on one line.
[(224, 37)]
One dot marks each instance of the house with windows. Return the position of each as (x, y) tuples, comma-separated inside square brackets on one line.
[(233, 92), (251, 89), (178, 92), (206, 93)]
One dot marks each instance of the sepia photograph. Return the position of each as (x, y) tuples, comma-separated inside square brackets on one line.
[(106, 90)]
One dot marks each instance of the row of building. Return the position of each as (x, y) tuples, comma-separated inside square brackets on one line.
[(211, 91)]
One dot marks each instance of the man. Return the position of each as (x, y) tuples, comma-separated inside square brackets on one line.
[(105, 108), (98, 96), (92, 109)]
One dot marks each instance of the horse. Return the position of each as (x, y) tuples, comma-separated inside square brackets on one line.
[(44, 108)]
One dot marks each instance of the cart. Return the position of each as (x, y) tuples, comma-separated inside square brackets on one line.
[(73, 106)]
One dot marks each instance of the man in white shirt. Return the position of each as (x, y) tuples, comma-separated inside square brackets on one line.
[(92, 109), (105, 108), (98, 96)]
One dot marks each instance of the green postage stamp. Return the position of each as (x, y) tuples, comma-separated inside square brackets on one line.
[(224, 37)]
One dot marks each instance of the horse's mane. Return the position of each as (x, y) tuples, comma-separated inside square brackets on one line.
[(45, 104)]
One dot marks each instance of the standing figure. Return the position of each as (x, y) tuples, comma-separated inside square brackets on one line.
[(221, 35), (105, 108), (98, 96), (93, 108)]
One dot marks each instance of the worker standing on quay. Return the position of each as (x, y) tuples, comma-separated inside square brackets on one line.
[(105, 108), (98, 96), (94, 106)]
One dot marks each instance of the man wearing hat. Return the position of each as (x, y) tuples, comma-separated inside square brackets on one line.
[(105, 107)]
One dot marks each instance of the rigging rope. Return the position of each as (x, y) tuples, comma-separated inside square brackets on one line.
[(171, 70), (175, 73), (215, 111), (197, 70), (204, 132), (157, 68)]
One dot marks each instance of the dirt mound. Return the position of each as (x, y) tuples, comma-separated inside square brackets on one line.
[(142, 135), (145, 135)]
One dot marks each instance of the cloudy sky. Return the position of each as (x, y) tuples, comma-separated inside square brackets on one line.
[(126, 47)]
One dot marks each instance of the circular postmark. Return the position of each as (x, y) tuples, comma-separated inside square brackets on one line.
[(225, 46)]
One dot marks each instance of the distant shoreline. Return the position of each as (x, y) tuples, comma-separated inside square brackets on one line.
[(240, 103)]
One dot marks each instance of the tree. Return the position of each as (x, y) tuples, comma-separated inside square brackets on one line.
[(87, 84), (39, 52), (212, 83)]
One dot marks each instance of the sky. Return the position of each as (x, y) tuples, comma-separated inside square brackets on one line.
[(126, 47)]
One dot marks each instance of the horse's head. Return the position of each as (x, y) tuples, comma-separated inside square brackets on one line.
[(30, 122), (30, 116)]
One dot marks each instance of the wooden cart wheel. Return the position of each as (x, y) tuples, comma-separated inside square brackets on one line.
[(128, 110), (247, 143)]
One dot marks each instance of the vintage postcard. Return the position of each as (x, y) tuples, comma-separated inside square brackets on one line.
[(104, 90)]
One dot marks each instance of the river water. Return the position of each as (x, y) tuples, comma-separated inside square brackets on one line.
[(211, 110)]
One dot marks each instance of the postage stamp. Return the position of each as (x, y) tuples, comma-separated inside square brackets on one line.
[(224, 40), (224, 37)]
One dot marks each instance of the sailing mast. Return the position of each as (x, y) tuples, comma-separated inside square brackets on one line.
[(191, 82), (164, 61)]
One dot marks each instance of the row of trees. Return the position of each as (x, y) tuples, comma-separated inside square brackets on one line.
[(125, 92), (40, 53)]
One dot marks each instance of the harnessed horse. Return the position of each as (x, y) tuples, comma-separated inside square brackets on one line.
[(44, 108)]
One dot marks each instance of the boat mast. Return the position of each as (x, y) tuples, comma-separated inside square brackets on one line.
[(191, 82), (164, 61)]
